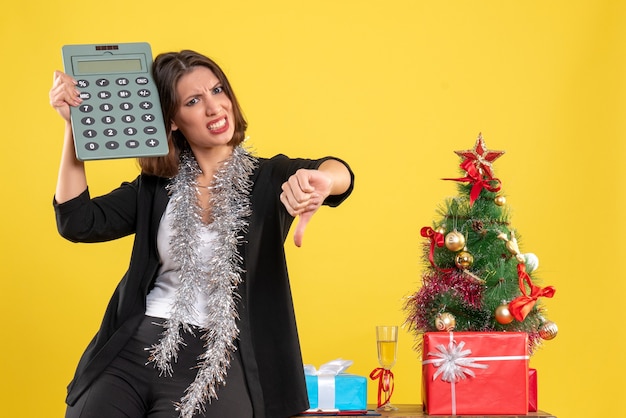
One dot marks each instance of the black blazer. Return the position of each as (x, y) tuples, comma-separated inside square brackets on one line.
[(268, 339)]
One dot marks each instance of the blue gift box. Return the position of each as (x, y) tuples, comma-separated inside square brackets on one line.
[(348, 390)]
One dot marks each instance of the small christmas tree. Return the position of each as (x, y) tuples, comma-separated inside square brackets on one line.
[(476, 278)]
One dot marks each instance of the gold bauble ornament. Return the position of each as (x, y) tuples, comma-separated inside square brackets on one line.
[(464, 260), (445, 321), (500, 200), (548, 330), (455, 241), (503, 315), (441, 230)]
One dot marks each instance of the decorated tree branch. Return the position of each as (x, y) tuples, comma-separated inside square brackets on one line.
[(476, 277)]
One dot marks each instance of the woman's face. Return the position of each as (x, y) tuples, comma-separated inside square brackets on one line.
[(205, 113)]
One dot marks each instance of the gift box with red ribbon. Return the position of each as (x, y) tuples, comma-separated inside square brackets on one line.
[(475, 373)]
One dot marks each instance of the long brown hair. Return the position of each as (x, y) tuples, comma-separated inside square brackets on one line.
[(167, 70)]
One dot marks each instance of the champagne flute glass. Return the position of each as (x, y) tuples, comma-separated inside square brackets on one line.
[(387, 343)]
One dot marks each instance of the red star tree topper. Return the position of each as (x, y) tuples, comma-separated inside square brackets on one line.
[(477, 164), (481, 156)]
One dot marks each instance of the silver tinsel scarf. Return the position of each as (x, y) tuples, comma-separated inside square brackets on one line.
[(230, 208)]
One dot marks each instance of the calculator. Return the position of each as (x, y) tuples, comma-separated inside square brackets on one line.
[(120, 116)]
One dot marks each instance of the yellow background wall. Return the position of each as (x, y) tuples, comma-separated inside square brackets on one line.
[(394, 87)]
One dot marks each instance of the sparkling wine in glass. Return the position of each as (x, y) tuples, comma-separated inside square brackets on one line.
[(387, 343)]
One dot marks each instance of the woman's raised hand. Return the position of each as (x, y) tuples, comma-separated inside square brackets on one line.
[(64, 94)]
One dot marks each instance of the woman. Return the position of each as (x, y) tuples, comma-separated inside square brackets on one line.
[(203, 318)]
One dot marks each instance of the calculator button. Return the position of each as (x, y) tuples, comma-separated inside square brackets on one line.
[(104, 95), (86, 108), (123, 94), (106, 107), (141, 81), (121, 81), (108, 120), (126, 106), (82, 83), (84, 95), (88, 120), (102, 82), (110, 132), (147, 117), (149, 130), (130, 131), (132, 143), (112, 145), (128, 118), (146, 105), (90, 133), (144, 93), (152, 143), (91, 146)]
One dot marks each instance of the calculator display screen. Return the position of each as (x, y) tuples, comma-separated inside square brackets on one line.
[(108, 66)]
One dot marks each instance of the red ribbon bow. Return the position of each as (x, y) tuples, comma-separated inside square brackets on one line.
[(385, 384), (479, 182), (436, 239), (521, 306)]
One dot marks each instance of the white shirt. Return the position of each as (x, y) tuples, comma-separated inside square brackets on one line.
[(161, 298)]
